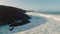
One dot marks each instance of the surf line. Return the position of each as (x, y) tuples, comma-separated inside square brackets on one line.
[(48, 16), (44, 15)]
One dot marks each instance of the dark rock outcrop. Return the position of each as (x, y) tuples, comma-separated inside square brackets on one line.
[(8, 15)]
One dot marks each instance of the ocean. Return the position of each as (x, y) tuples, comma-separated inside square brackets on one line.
[(52, 12), (41, 23)]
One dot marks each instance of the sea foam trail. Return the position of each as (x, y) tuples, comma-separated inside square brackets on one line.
[(52, 26), (47, 16)]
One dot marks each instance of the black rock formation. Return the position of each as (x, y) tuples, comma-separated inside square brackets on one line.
[(9, 15)]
